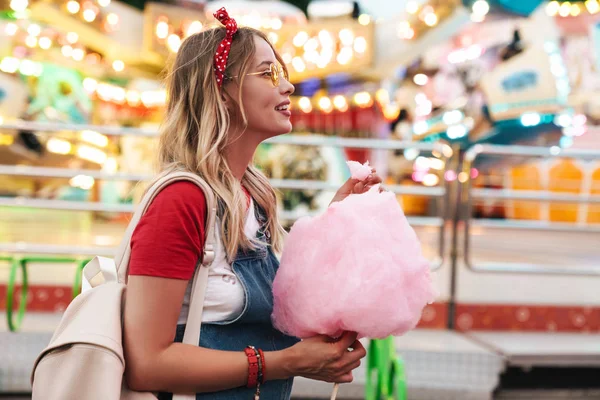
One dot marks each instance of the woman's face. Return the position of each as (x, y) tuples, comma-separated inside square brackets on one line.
[(267, 107)]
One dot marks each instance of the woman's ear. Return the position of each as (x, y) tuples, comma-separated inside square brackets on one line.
[(226, 98)]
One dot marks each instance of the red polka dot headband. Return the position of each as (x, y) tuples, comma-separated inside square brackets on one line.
[(222, 53)]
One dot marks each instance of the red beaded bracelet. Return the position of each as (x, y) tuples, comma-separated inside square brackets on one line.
[(263, 365), (252, 355)]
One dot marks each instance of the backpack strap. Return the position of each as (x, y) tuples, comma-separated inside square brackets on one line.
[(200, 282)]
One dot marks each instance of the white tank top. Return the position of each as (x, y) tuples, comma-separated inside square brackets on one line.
[(225, 296)]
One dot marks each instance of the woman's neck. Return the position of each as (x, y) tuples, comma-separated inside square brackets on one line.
[(239, 155)]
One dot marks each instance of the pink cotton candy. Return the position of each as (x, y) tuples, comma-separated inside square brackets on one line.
[(357, 267), (359, 171)]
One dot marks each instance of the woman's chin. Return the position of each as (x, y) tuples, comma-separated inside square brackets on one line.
[(283, 131)]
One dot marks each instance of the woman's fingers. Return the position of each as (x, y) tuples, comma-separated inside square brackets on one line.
[(367, 184), (359, 188), (358, 347), (351, 357), (374, 179)]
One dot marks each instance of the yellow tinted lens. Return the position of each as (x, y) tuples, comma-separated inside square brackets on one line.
[(274, 75)]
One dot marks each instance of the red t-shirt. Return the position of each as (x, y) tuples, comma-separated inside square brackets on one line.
[(169, 239)]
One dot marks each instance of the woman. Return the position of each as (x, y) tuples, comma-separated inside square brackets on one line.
[(228, 91)]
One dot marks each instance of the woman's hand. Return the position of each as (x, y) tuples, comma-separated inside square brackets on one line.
[(325, 359), (354, 186)]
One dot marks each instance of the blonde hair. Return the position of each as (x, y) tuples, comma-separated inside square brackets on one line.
[(196, 132)]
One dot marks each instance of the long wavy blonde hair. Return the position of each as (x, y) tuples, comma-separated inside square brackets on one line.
[(196, 131)]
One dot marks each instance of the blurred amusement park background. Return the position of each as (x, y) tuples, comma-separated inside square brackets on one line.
[(483, 116)]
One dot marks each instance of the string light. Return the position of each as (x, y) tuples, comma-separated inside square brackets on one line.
[(340, 103), (133, 98), (31, 41), (346, 37), (195, 27), (112, 19), (30, 68), (34, 30), (162, 30), (592, 6), (276, 24), (83, 182), (456, 131), (364, 19), (325, 38), (300, 39), (90, 85), (66, 50), (452, 117), (154, 98), (103, 3), (319, 49), (273, 37), (531, 119), (360, 45), (45, 43), (287, 58), (10, 65), (421, 79), (19, 5), (431, 19), (412, 7), (552, 8), (173, 42), (93, 137), (11, 29), (363, 99), (78, 54), (565, 9), (72, 37), (305, 104), (58, 146), (431, 180), (344, 56), (481, 7), (118, 65), (89, 15), (311, 45), (298, 64), (73, 7), (382, 96), (325, 104), (91, 154)]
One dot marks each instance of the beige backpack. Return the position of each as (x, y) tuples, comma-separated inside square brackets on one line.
[(84, 360)]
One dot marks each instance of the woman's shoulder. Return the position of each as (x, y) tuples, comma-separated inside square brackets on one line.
[(181, 203), (181, 193), (169, 237)]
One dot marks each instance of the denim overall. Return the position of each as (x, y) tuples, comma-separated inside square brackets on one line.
[(256, 271)]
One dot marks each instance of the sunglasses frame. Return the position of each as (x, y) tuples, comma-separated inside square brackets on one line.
[(276, 72)]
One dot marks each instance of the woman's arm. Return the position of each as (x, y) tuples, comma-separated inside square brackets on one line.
[(155, 363), (164, 253)]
